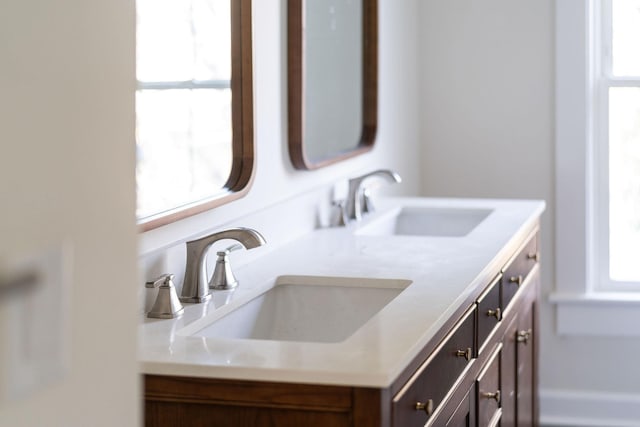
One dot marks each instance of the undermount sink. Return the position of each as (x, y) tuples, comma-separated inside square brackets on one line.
[(427, 221), (303, 308)]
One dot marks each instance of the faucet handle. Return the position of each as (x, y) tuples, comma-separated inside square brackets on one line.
[(339, 215), (230, 249), (167, 304), (163, 279), (222, 278)]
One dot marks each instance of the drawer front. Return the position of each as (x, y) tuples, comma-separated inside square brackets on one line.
[(465, 413), (517, 270), (489, 392), (425, 391), (489, 312)]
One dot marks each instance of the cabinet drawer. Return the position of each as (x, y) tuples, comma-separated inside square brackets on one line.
[(518, 268), (489, 312), (427, 388), (489, 392)]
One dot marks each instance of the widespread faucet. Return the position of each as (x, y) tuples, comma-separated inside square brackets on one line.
[(357, 197), (195, 287)]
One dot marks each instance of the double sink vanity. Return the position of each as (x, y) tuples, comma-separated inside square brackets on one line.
[(423, 313)]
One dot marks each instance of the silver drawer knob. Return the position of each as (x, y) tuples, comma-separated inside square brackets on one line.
[(495, 396), (464, 353), (497, 313), (523, 336), (535, 256), (516, 279), (427, 406)]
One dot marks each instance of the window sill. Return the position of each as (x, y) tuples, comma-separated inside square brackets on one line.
[(598, 314)]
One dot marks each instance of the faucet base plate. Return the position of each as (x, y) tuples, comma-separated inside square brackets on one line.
[(159, 315), (196, 300)]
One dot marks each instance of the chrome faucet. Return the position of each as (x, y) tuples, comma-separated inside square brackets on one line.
[(358, 199), (195, 287)]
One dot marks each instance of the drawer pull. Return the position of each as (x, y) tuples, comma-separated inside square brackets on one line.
[(535, 256), (516, 279), (497, 313), (523, 336), (464, 353), (427, 406), (495, 396)]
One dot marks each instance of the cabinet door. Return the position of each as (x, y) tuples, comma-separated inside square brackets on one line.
[(526, 343)]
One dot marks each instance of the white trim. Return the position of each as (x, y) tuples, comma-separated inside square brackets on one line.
[(599, 185), (598, 314), (580, 304), (573, 121), (593, 409)]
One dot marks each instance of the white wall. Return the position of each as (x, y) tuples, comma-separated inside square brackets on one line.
[(283, 202), (66, 175), (487, 115)]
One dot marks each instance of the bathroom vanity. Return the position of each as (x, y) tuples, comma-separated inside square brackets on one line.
[(456, 344)]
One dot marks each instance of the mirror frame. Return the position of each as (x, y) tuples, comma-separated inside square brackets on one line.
[(243, 149), (296, 84)]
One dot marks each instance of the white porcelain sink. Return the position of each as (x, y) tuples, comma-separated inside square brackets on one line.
[(303, 308), (427, 221)]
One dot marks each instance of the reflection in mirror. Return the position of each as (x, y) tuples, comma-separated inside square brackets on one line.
[(193, 138), (332, 80)]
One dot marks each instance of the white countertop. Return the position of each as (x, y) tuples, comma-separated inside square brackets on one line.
[(443, 270)]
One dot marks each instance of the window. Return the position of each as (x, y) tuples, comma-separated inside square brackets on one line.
[(194, 139), (617, 146), (589, 96)]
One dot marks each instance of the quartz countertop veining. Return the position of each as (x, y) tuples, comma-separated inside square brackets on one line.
[(443, 271)]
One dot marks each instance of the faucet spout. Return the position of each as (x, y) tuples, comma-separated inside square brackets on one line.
[(356, 190), (195, 287)]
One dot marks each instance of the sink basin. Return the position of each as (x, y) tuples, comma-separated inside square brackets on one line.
[(427, 221), (304, 308)]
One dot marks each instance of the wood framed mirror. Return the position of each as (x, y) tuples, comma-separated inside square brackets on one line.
[(332, 80), (194, 107)]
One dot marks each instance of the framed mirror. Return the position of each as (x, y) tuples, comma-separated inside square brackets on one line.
[(194, 107), (332, 67)]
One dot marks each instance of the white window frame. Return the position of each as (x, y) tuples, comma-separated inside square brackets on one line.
[(604, 80), (584, 306)]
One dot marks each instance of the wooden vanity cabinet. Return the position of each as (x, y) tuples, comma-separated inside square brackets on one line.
[(435, 379), (479, 371)]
